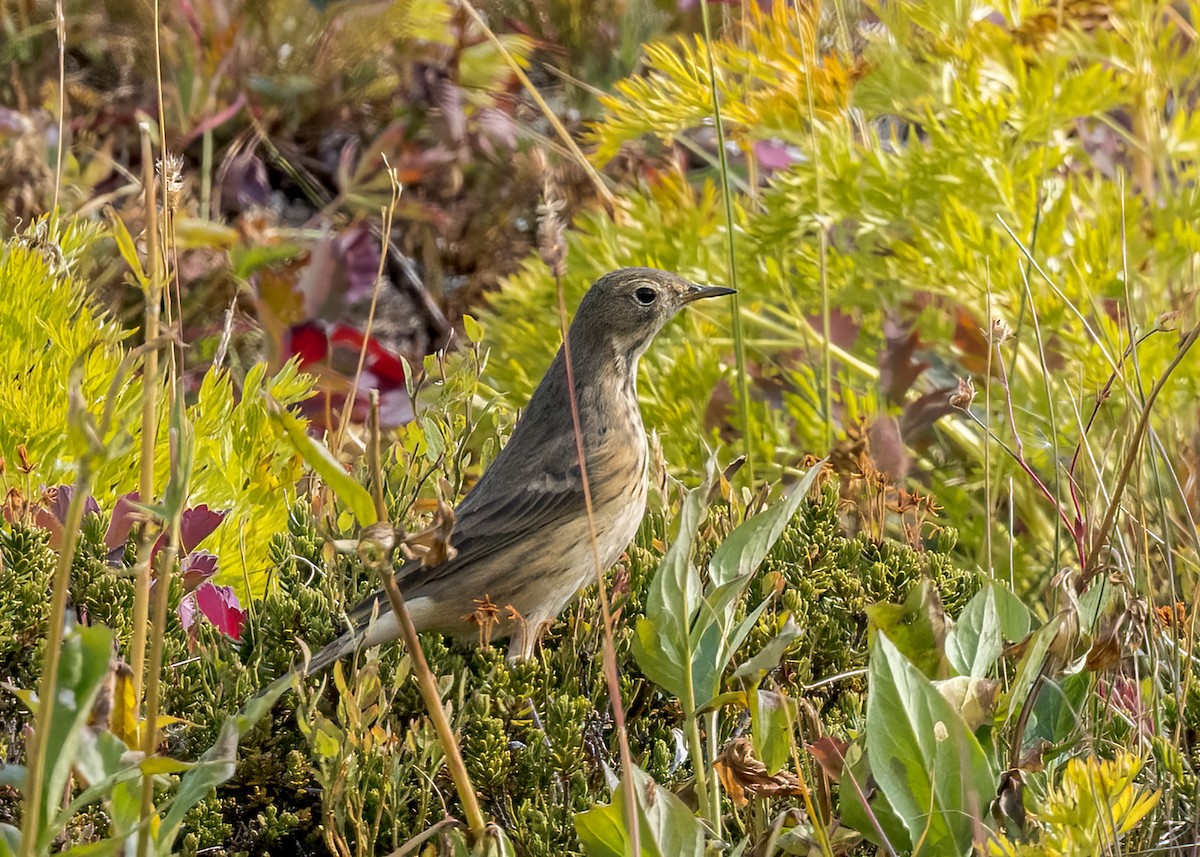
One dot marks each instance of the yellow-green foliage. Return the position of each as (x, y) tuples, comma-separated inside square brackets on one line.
[(245, 466), (1094, 806), (48, 327), (914, 146), (764, 79)]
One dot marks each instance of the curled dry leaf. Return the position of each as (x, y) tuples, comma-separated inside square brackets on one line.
[(1105, 652), (830, 754), (1172, 615), (432, 545), (742, 774), (1032, 760), (1008, 808)]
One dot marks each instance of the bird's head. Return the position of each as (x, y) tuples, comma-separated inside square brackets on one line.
[(628, 307)]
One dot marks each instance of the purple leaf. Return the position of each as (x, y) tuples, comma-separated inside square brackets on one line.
[(245, 183), (898, 366), (187, 613), (56, 501), (496, 127), (197, 524), (358, 249), (125, 515), (51, 512), (198, 567)]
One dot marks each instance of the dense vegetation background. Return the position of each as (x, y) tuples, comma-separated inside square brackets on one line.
[(919, 574)]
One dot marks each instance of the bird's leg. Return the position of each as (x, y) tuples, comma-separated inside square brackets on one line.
[(520, 642), (527, 632)]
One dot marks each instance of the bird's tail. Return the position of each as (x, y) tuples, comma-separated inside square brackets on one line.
[(343, 645), (339, 648)]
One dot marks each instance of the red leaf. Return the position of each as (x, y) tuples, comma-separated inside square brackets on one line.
[(830, 754), (219, 605)]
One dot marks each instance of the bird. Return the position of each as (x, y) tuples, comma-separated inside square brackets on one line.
[(521, 535)]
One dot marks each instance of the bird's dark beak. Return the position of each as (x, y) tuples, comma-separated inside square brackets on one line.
[(695, 292)]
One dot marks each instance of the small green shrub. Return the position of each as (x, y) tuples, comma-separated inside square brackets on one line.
[(536, 735)]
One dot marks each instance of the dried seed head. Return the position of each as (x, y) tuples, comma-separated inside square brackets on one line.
[(170, 173), (23, 455), (1000, 332), (377, 544), (14, 505), (552, 242), (964, 395), (1167, 321), (486, 615)]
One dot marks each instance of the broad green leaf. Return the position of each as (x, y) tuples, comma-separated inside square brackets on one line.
[(192, 233), (675, 589), (855, 785), (714, 637), (1058, 710), (1094, 604), (216, 765), (94, 849), (713, 647), (601, 830), (164, 765), (659, 657), (975, 641), (667, 827), (745, 548), (246, 260), (923, 756), (472, 328), (1015, 618), (83, 665), (729, 697), (320, 459), (1030, 665), (661, 641), (917, 628), (435, 442), (771, 728), (771, 653), (99, 761), (667, 824)]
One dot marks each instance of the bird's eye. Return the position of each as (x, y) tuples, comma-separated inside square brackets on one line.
[(645, 296)]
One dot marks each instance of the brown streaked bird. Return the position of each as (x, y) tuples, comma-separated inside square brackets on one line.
[(521, 534)]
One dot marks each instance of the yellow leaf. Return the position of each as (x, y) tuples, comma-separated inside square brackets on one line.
[(124, 715)]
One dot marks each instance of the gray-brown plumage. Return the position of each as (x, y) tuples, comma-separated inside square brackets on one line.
[(521, 533)]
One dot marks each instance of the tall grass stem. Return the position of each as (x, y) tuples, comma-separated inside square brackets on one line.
[(39, 749), (739, 340)]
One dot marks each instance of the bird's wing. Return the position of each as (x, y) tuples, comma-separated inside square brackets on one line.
[(490, 519)]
